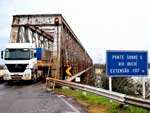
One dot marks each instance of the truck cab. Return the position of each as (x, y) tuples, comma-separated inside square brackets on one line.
[(20, 61)]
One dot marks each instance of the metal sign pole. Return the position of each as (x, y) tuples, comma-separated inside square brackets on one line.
[(144, 88), (110, 84)]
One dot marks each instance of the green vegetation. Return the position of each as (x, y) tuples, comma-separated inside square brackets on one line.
[(98, 104), (123, 85)]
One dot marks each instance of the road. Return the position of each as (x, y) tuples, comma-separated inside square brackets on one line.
[(33, 98)]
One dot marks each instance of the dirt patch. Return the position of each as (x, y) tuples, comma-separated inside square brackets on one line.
[(98, 109), (83, 103), (93, 108)]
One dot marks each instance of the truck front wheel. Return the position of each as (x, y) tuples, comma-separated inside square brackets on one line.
[(34, 77)]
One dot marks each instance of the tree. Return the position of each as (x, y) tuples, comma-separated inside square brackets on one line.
[(119, 84)]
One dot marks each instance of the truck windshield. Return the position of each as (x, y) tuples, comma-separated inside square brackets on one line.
[(17, 54)]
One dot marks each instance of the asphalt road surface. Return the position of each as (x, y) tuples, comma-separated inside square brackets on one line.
[(33, 98)]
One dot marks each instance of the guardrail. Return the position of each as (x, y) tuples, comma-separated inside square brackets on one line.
[(137, 102), (105, 93)]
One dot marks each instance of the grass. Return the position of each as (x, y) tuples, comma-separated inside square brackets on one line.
[(98, 104)]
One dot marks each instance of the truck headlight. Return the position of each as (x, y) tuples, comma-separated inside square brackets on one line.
[(27, 76), (6, 75)]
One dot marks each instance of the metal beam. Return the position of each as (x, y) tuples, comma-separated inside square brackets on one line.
[(41, 32)]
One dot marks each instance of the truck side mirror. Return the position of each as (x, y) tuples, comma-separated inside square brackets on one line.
[(34, 55), (2, 54)]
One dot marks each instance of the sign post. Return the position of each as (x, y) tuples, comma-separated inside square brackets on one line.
[(127, 64), (144, 89), (110, 84)]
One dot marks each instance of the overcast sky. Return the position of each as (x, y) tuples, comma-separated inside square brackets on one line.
[(100, 25)]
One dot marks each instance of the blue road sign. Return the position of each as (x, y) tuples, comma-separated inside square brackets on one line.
[(126, 63)]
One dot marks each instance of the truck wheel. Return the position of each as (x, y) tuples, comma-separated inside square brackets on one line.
[(44, 75), (34, 78)]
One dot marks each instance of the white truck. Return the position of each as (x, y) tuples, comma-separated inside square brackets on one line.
[(19, 59), (23, 62)]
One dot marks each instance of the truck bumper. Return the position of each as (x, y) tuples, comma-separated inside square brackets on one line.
[(17, 76)]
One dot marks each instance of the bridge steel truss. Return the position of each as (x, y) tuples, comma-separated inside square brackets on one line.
[(67, 50)]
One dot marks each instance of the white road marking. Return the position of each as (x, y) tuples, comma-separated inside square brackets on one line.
[(73, 108)]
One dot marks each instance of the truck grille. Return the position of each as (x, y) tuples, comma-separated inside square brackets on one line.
[(16, 67), (16, 77)]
